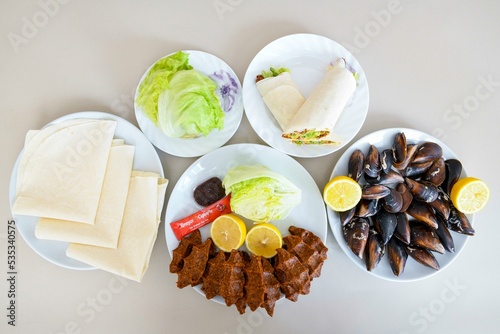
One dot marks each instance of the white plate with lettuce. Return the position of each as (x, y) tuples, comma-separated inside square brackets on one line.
[(307, 57), (310, 213), (189, 103)]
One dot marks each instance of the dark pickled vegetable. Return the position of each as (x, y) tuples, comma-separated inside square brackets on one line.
[(209, 192)]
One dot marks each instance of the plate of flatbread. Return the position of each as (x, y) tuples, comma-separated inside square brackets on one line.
[(70, 189)]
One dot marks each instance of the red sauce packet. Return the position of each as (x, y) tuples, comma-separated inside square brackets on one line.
[(201, 218)]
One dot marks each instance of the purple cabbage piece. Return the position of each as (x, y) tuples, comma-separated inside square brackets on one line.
[(228, 88)]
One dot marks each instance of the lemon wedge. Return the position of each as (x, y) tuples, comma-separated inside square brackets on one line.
[(263, 239), (342, 193), (228, 232), (469, 195)]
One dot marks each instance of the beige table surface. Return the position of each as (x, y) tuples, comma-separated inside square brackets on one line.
[(430, 66)]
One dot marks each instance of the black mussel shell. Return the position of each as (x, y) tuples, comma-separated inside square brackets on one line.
[(392, 202), (458, 222), (422, 256), (414, 170), (374, 250), (422, 190), (411, 149), (372, 166), (453, 173), (385, 179), (346, 216), (396, 252), (402, 231), (405, 195), (355, 165), (399, 147), (367, 207), (436, 173), (427, 151), (442, 204), (424, 236), (356, 235), (422, 212), (444, 235), (375, 191), (385, 223), (386, 158)]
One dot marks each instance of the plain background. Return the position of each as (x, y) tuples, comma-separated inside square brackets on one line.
[(424, 62)]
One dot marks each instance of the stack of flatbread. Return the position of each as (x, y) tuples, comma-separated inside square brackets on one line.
[(311, 120), (80, 181)]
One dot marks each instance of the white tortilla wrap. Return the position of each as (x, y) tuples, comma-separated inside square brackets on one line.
[(282, 96), (62, 168), (34, 138), (108, 221), (138, 232), (321, 110)]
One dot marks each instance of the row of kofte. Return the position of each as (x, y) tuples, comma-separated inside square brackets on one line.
[(245, 280)]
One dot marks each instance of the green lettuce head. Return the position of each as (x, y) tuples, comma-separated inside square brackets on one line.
[(259, 194), (181, 101)]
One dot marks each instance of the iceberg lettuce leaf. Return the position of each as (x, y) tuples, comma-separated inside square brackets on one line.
[(259, 194), (190, 106), (158, 79)]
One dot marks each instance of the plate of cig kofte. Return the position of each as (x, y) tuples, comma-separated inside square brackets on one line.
[(246, 226)]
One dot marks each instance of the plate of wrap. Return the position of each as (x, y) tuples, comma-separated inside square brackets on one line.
[(316, 106)]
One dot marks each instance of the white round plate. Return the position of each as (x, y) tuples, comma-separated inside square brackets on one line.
[(146, 158), (208, 65), (309, 214), (413, 271), (308, 57)]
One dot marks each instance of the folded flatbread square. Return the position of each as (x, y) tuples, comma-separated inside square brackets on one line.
[(106, 229), (62, 169), (138, 232), (282, 96)]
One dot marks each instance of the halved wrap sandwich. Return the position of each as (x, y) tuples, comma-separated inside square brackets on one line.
[(280, 94), (313, 123)]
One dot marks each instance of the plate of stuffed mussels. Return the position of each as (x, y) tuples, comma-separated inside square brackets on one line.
[(405, 227)]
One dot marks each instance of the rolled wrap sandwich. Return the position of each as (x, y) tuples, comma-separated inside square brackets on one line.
[(280, 94), (313, 123)]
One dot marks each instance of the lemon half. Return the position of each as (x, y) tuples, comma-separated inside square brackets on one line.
[(228, 232), (342, 193), (263, 239), (469, 195)]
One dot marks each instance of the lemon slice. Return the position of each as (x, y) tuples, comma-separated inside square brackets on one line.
[(342, 193), (228, 232), (469, 194), (263, 239)]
